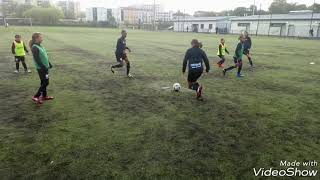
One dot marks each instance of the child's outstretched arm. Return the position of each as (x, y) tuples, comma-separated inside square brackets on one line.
[(13, 47)]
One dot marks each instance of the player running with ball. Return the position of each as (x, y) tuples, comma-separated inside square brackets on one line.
[(121, 53), (194, 58)]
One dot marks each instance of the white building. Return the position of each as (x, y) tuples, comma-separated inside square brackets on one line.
[(164, 16), (97, 14), (70, 8), (202, 24), (145, 14), (293, 24)]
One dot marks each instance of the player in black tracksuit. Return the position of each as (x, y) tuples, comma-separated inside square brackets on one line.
[(121, 53), (194, 58), (247, 47)]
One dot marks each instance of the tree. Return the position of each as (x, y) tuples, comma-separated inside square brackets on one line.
[(316, 8), (279, 7), (253, 8), (112, 21), (282, 7), (179, 13), (44, 15), (205, 14), (241, 11), (8, 8)]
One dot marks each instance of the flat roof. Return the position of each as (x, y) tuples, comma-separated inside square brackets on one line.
[(316, 16), (191, 19), (305, 16)]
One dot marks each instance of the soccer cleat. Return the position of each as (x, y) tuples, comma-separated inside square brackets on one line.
[(220, 65), (27, 71), (48, 98), (37, 100), (16, 71), (224, 72), (130, 76), (240, 75), (112, 70), (199, 92)]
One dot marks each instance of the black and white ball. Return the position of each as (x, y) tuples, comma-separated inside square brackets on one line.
[(176, 87)]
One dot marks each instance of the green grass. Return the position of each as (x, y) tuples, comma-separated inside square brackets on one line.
[(104, 126)]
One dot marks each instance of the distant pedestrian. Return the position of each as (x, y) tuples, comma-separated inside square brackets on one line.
[(217, 29), (187, 29), (311, 32)]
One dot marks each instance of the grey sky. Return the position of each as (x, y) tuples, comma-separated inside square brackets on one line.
[(188, 5)]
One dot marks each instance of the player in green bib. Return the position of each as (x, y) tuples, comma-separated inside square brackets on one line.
[(237, 57), (19, 50), (43, 65)]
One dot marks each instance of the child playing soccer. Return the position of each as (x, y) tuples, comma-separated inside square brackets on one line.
[(194, 58), (247, 47), (43, 65), (19, 49), (237, 58), (121, 54), (222, 52)]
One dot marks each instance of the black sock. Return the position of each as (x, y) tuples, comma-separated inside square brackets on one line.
[(195, 86), (239, 69), (17, 66), (117, 66), (230, 68), (128, 68), (24, 66), (250, 61)]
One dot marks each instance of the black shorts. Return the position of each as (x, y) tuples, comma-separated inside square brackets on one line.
[(193, 76), (19, 58), (246, 52), (236, 60), (121, 56)]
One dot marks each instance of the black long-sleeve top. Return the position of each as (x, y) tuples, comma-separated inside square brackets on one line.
[(121, 45), (248, 43), (195, 57), (13, 47)]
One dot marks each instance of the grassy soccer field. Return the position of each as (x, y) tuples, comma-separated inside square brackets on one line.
[(105, 126)]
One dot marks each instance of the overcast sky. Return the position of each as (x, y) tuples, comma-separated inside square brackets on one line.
[(188, 5)]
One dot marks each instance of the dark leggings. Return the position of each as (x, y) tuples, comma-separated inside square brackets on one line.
[(21, 59), (193, 78), (120, 59), (222, 60), (238, 63), (44, 78)]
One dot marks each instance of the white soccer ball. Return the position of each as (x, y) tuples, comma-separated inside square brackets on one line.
[(176, 87)]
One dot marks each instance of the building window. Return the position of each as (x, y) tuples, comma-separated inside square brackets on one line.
[(210, 26), (243, 24), (202, 26)]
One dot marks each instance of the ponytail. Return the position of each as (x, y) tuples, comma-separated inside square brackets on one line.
[(35, 36)]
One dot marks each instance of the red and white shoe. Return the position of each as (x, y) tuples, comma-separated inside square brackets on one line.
[(48, 98), (199, 93), (37, 100)]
